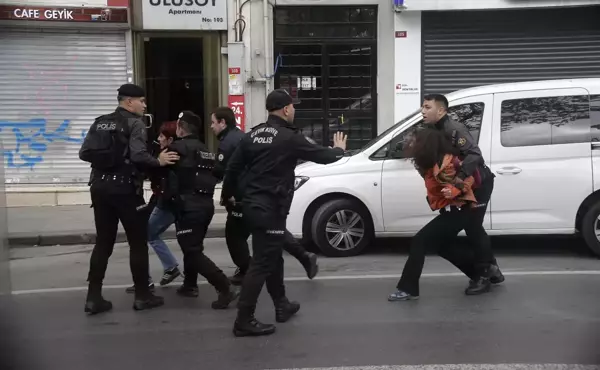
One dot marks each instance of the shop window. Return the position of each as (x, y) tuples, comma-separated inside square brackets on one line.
[(545, 121)]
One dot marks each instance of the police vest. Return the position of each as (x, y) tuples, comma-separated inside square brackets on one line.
[(195, 169), (106, 146)]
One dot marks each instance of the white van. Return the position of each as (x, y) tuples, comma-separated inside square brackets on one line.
[(541, 139)]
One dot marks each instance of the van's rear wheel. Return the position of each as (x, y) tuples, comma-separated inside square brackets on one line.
[(590, 228), (342, 228)]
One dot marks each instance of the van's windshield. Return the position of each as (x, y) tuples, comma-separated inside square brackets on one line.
[(383, 134)]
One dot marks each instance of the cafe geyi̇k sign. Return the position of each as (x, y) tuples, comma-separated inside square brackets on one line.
[(210, 15)]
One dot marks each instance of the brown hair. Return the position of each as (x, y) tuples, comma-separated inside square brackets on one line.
[(428, 148)]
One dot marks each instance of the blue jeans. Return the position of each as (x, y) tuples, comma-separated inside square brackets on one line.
[(159, 222)]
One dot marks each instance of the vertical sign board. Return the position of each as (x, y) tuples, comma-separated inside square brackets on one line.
[(210, 15), (236, 103), (236, 97)]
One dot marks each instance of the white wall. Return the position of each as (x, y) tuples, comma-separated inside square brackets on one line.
[(419, 5), (407, 59), (71, 3)]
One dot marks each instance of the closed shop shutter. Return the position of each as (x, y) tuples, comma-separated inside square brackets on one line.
[(52, 86), (474, 48)]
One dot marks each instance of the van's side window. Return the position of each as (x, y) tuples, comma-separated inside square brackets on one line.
[(545, 121), (471, 115), (595, 116)]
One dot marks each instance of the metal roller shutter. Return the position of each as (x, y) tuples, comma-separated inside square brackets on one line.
[(474, 48), (52, 86)]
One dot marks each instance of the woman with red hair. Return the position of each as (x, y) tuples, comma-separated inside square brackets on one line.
[(161, 218)]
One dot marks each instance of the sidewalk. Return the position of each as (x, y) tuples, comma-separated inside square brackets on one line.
[(53, 225)]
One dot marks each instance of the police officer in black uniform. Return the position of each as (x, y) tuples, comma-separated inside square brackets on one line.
[(268, 155), (236, 232), (116, 147), (191, 185), (435, 113)]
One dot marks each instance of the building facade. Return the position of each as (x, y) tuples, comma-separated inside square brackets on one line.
[(361, 66)]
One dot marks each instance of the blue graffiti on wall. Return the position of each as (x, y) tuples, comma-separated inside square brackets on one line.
[(30, 147)]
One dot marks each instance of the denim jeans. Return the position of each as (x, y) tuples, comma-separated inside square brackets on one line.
[(159, 222)]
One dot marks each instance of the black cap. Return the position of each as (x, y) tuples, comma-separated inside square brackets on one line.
[(278, 99), (131, 90), (191, 118)]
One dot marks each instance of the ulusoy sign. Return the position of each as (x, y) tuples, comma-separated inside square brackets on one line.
[(68, 14), (184, 14)]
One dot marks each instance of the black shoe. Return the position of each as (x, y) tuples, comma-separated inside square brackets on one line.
[(238, 278), (284, 310), (496, 276), (225, 299), (131, 289), (311, 266), (188, 291), (479, 286), (251, 327), (170, 275), (148, 302), (96, 306)]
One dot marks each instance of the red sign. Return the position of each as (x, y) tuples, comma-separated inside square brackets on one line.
[(29, 13), (234, 71), (236, 103), (400, 34)]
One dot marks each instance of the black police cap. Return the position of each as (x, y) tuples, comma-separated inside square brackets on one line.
[(131, 91), (191, 118), (278, 99)]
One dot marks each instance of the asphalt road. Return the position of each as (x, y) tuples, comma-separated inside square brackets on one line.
[(547, 313)]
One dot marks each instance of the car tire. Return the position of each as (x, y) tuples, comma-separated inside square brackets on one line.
[(589, 226), (342, 240)]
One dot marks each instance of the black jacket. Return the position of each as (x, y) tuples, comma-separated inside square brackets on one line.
[(228, 141), (461, 139), (137, 153), (191, 182), (267, 156)]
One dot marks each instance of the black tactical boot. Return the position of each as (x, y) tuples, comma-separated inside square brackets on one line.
[(95, 303), (237, 278), (246, 325), (147, 301), (224, 299), (188, 291), (495, 275), (310, 265), (478, 286), (284, 309)]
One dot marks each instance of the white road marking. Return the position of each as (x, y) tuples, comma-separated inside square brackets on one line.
[(462, 367), (334, 277)]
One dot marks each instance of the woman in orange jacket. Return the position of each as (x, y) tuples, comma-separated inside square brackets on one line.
[(438, 163)]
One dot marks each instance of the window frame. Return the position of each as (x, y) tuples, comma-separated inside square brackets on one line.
[(411, 123)]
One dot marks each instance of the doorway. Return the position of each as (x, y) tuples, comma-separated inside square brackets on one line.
[(174, 79)]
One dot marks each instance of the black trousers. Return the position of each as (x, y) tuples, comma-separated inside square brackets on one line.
[(111, 205), (191, 224), (439, 236), (237, 233), (268, 237)]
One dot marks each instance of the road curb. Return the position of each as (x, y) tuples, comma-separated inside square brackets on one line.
[(24, 241)]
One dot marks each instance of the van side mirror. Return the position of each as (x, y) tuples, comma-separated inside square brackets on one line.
[(396, 154)]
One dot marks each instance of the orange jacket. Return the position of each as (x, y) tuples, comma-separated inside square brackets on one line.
[(440, 177)]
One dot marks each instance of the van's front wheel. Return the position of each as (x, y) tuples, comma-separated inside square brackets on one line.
[(590, 228)]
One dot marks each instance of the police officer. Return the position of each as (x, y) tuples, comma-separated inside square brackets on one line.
[(191, 187), (115, 146), (268, 155), (435, 114), (236, 232)]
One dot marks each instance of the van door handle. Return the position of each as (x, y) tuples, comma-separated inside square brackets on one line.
[(509, 171)]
